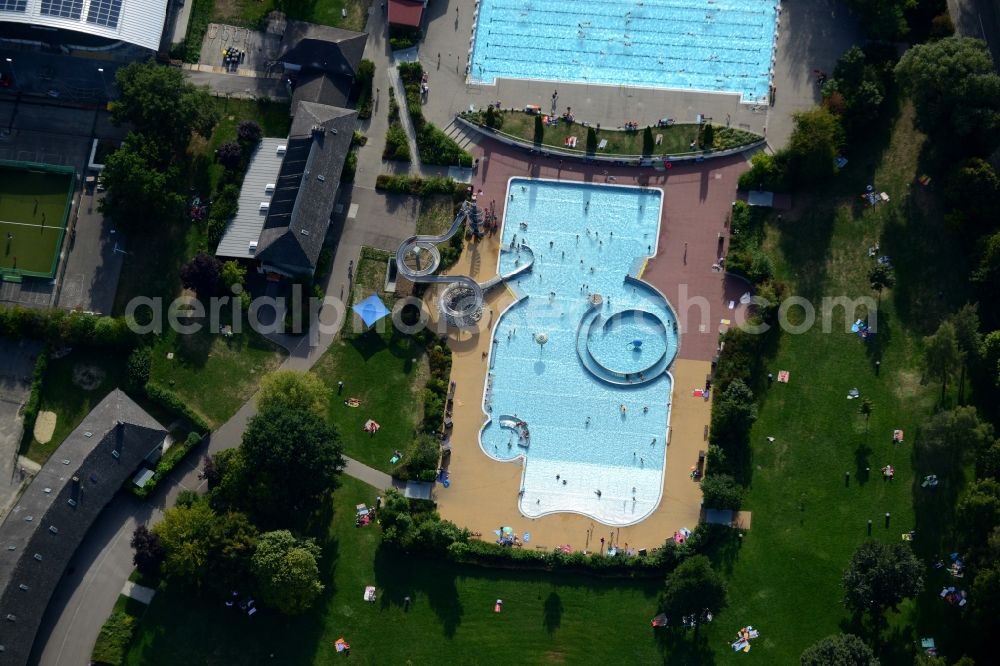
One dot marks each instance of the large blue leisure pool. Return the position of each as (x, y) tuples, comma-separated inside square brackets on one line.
[(578, 384), (706, 45)]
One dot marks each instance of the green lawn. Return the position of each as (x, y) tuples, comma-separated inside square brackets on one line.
[(545, 619), (437, 213), (385, 372), (33, 209), (676, 138), (251, 13), (213, 374), (73, 385), (806, 521)]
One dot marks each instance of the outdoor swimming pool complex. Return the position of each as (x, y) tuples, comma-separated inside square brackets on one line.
[(705, 45), (583, 340)]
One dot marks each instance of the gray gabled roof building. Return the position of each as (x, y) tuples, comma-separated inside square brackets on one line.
[(332, 50), (44, 529), (298, 208)]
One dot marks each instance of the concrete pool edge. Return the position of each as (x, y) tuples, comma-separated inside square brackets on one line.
[(518, 298)]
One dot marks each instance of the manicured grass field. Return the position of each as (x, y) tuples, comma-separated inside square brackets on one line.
[(213, 374), (807, 521), (73, 385), (385, 372), (33, 210), (545, 618), (251, 13)]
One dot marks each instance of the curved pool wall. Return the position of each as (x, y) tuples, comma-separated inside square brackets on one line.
[(571, 413), (725, 46)]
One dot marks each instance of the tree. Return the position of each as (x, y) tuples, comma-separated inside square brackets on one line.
[(693, 588), (249, 132), (232, 273), (973, 187), (969, 339), (839, 650), (286, 571), (988, 462), (814, 145), (879, 577), (202, 275), (977, 512), (229, 155), (648, 144), (138, 366), (720, 491), (732, 416), (881, 276), (185, 534), (707, 136), (990, 352), (233, 541), (158, 102), (942, 355), (539, 130), (149, 552), (291, 389), (955, 91), (948, 438), (591, 141), (883, 19), (288, 461), (987, 273), (140, 183)]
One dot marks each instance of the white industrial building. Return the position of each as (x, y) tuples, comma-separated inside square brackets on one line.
[(136, 22)]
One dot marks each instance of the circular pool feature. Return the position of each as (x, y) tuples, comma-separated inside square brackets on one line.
[(611, 342)]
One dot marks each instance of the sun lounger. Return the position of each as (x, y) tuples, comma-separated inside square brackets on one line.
[(739, 645), (603, 144), (659, 139)]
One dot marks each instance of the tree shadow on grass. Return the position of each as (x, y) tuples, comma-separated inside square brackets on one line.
[(684, 646), (400, 576), (368, 344), (862, 463), (553, 607)]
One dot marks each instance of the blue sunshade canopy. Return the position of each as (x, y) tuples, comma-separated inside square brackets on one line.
[(371, 310)]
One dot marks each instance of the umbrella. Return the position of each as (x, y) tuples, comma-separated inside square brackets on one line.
[(371, 310)]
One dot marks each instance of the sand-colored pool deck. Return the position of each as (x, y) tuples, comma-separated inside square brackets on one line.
[(483, 493)]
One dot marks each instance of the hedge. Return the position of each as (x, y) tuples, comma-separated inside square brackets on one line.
[(422, 187), (435, 146), (174, 455), (31, 407), (167, 398), (201, 15), (62, 328)]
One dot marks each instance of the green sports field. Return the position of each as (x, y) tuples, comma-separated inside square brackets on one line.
[(34, 207)]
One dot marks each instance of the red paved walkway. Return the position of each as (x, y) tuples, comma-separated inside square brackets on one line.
[(697, 201)]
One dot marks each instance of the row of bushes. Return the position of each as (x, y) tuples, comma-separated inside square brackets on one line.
[(62, 328), (170, 400), (174, 455), (422, 187), (403, 36), (201, 15), (436, 391), (414, 526), (435, 146), (366, 100), (31, 407)]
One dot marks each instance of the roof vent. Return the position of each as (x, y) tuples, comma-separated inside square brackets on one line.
[(23, 587), (264, 206), (11, 617), (115, 453), (38, 556), (53, 529), (12, 547), (46, 490), (28, 519), (321, 178), (304, 232), (281, 150), (88, 434), (333, 130), (269, 188), (71, 502), (252, 248), (65, 461)]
